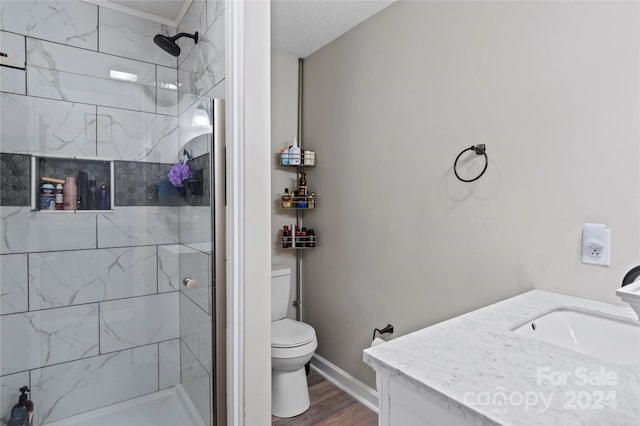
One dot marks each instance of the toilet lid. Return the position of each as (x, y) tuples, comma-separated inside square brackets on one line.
[(286, 333)]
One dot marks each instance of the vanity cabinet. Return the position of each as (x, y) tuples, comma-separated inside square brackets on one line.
[(402, 403)]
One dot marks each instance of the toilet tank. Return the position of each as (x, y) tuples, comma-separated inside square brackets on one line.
[(280, 290)]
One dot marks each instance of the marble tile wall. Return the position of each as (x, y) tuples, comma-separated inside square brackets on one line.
[(78, 386), (137, 226), (13, 285), (12, 80), (68, 22), (51, 336), (168, 268), (195, 331), (46, 126), (200, 79), (24, 231), (196, 382), (136, 136), (138, 321), (90, 307), (169, 359), (9, 390), (132, 37), (66, 278), (194, 20), (203, 67)]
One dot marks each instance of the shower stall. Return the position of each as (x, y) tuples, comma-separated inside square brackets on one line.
[(112, 316)]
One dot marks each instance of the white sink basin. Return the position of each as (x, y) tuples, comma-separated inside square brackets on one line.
[(609, 338), (631, 294)]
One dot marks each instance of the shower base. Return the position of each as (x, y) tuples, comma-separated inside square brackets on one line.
[(169, 407)]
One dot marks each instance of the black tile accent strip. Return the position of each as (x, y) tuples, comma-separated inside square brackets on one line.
[(15, 179), (144, 184), (200, 166)]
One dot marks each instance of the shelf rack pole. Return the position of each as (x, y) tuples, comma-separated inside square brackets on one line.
[(298, 212)]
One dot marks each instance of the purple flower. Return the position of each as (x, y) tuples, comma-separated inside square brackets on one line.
[(178, 173)]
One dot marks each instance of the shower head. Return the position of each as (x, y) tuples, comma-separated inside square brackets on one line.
[(169, 45)]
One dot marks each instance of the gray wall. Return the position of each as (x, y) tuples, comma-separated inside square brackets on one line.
[(551, 88)]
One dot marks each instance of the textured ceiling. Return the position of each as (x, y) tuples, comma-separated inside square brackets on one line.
[(300, 27)]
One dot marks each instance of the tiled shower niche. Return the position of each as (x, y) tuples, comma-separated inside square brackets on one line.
[(100, 170)]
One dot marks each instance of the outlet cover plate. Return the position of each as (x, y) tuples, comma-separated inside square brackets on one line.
[(605, 258)]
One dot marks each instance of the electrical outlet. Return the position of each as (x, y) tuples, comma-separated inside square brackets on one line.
[(595, 251), (596, 244)]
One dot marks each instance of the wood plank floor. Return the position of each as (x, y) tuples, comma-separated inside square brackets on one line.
[(329, 406)]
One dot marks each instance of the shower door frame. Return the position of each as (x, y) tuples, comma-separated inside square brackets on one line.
[(218, 279)]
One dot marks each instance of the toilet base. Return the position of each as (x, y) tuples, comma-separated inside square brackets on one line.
[(289, 393)]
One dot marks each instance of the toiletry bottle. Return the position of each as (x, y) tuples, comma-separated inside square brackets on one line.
[(294, 153), (104, 202), (311, 238), (286, 199), (302, 185), (286, 237), (302, 192), (284, 156), (92, 202), (70, 195), (289, 238), (309, 158), (47, 196), (295, 200), (312, 200), (296, 237), (59, 197), (82, 182), (303, 237)]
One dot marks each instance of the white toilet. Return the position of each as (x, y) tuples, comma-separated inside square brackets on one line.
[(292, 346)]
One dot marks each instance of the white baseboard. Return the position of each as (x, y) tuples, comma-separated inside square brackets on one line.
[(346, 382)]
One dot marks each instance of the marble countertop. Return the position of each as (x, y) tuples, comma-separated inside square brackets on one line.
[(483, 371)]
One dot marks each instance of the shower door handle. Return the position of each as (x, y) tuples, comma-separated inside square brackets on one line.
[(190, 283)]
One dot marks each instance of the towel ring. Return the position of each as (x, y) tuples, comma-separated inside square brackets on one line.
[(479, 150)]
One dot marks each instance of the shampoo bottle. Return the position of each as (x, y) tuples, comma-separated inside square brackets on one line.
[(92, 202), (286, 199), (294, 153), (59, 197), (70, 195), (104, 202)]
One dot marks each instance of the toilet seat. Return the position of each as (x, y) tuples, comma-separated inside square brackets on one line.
[(288, 333)]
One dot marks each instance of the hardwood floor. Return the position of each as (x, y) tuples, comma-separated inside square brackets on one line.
[(329, 406)]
